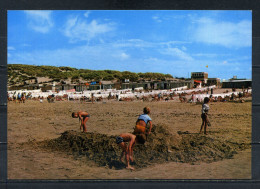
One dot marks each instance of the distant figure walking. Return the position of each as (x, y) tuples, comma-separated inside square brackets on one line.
[(127, 150), (143, 122), (83, 118), (193, 98), (22, 99), (19, 97), (204, 115), (92, 98)]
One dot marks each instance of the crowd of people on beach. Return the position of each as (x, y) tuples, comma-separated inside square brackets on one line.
[(19, 97), (194, 95)]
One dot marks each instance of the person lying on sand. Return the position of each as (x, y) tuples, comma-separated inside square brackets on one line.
[(142, 122), (83, 118), (127, 150), (204, 115)]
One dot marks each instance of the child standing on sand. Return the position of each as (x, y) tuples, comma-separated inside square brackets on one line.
[(143, 121), (204, 115), (83, 118), (127, 150)]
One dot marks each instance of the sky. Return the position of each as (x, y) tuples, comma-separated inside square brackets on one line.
[(171, 42)]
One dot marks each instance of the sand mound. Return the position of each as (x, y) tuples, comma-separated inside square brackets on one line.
[(161, 146)]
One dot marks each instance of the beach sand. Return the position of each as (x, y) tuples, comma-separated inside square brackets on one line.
[(34, 122)]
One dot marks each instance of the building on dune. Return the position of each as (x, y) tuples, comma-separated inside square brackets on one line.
[(237, 83), (198, 79), (214, 81), (157, 85), (201, 78)]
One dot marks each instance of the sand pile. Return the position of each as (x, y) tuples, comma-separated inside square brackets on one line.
[(161, 146)]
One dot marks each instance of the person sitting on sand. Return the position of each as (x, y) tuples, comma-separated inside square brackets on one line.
[(127, 150), (204, 115), (142, 122), (83, 118)]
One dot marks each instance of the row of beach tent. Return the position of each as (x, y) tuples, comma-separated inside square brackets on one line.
[(125, 93)]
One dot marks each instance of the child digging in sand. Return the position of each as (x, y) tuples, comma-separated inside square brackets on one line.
[(127, 150), (83, 118), (204, 115), (142, 122)]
